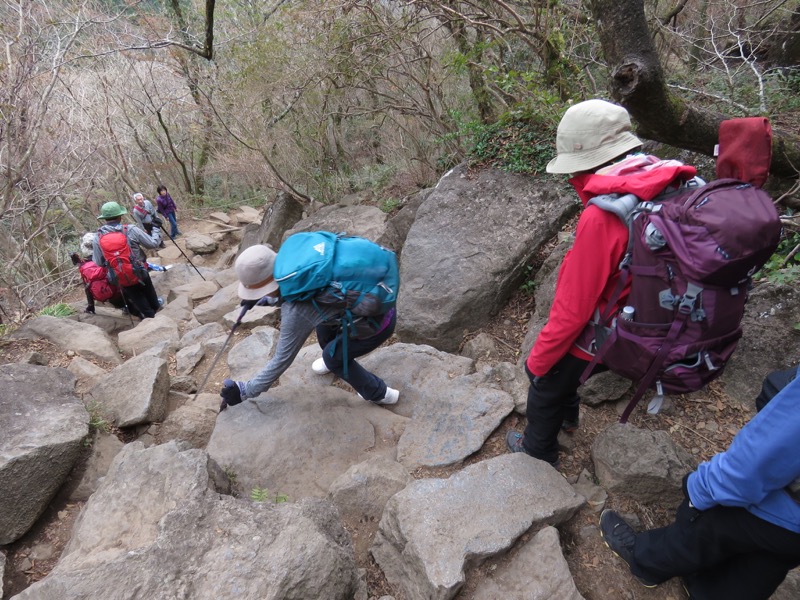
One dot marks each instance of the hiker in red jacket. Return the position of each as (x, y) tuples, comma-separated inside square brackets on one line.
[(592, 143)]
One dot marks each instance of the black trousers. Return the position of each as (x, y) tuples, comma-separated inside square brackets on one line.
[(553, 399), (370, 386), (142, 297), (724, 553)]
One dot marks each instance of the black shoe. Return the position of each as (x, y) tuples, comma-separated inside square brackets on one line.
[(570, 426), (514, 444), (620, 537)]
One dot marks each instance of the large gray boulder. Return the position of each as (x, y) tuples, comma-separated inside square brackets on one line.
[(538, 570), (361, 493), (431, 533), (251, 354), (295, 440), (159, 528), (468, 248), (281, 215), (135, 392), (222, 302), (43, 424), (641, 464), (84, 339), (148, 333), (364, 221)]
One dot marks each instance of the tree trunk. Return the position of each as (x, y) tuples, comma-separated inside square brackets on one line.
[(637, 82)]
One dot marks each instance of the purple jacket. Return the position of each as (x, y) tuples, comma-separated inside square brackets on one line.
[(166, 204)]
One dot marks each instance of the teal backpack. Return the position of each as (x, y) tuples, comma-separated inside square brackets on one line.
[(354, 275)]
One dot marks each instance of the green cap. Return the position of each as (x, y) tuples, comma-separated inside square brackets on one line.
[(111, 210)]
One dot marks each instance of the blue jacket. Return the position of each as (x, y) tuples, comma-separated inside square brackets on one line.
[(762, 460)]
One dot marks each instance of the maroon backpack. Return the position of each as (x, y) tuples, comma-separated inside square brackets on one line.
[(690, 259), (95, 278)]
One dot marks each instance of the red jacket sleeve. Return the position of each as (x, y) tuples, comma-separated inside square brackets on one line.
[(587, 280)]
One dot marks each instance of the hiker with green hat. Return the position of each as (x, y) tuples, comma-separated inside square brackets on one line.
[(119, 247), (593, 144)]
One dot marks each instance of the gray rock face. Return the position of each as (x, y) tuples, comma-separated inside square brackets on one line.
[(178, 309), (135, 392), (467, 251), (644, 465), (361, 493), (202, 333), (452, 409), (188, 357), (147, 334), (105, 447), (43, 425), (450, 423), (213, 310), (603, 387), (769, 341), (397, 226), (82, 338), (364, 221), (258, 316), (281, 215), (417, 371), (200, 243), (178, 275), (157, 525), (430, 532), (250, 355), (197, 290), (537, 571), (294, 441)]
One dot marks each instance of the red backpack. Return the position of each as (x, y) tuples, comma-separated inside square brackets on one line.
[(117, 253), (95, 278)]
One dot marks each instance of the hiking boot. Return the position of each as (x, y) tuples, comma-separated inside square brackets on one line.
[(391, 397), (620, 537), (514, 444), (319, 367), (168, 267), (570, 426)]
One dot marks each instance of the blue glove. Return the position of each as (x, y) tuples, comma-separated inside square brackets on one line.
[(232, 393)]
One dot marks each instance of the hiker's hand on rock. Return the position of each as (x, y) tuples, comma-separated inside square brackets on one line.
[(232, 393)]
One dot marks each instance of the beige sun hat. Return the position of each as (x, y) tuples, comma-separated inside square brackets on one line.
[(590, 134), (254, 269)]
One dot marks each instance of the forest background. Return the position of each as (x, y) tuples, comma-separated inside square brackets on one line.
[(228, 102)]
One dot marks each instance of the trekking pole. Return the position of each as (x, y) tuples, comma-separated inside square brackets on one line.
[(184, 254), (223, 406), (125, 301)]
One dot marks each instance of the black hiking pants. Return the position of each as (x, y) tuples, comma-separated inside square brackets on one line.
[(142, 297), (553, 399), (724, 553)]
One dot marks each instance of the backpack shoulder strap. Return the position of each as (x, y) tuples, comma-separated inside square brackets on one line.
[(621, 205)]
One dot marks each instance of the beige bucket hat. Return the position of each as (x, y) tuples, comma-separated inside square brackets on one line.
[(590, 134), (254, 269)]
